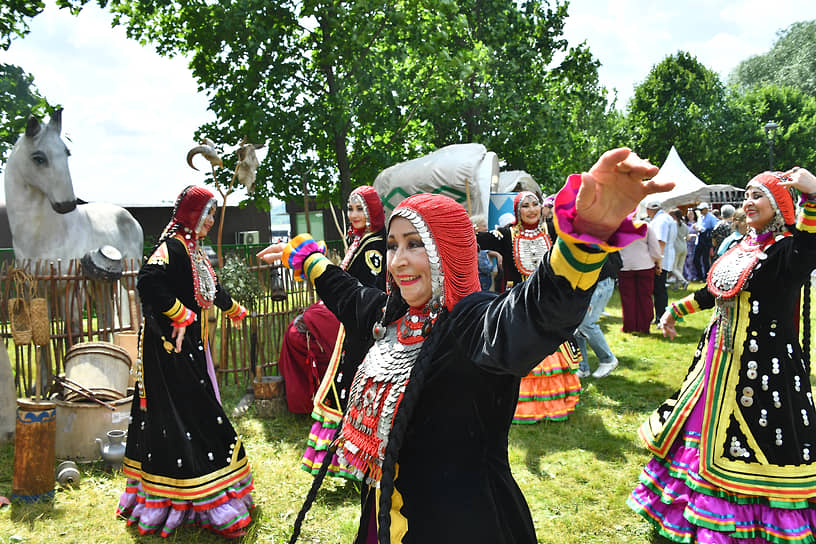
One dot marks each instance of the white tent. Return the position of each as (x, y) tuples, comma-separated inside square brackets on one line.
[(513, 181), (688, 188)]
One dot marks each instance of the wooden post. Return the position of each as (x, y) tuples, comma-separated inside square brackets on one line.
[(34, 452), (467, 195)]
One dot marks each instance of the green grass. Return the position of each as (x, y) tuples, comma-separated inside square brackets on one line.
[(575, 475)]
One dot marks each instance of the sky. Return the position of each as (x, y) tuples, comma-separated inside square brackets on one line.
[(130, 115)]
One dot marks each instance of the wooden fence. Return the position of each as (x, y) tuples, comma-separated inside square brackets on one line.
[(85, 310)]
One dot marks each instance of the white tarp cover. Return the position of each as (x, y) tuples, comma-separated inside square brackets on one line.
[(515, 181), (463, 172)]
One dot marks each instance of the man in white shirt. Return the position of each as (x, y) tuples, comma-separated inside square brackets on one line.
[(665, 228)]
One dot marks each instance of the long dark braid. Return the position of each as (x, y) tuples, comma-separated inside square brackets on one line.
[(806, 324), (316, 483), (166, 235), (393, 308), (401, 420), (171, 229)]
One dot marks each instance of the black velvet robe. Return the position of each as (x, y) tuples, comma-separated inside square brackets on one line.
[(183, 445), (454, 476)]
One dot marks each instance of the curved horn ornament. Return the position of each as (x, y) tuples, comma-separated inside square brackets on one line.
[(208, 152)]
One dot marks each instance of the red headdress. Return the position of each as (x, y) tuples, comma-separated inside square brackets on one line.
[(517, 200), (780, 197), (192, 207), (447, 233), (372, 206)]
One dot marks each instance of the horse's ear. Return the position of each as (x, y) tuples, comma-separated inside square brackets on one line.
[(32, 127), (56, 121)]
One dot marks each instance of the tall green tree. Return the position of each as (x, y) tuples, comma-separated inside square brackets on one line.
[(333, 87), (791, 62), (683, 103), (19, 98), (341, 90), (538, 115), (795, 113), (14, 17)]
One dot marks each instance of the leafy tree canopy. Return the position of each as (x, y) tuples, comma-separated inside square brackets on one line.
[(14, 15), (681, 103), (341, 90), (19, 98), (790, 62), (538, 115), (795, 113)]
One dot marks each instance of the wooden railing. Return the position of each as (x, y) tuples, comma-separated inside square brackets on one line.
[(85, 310)]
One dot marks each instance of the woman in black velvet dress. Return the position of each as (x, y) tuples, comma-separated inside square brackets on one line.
[(430, 406), (184, 462)]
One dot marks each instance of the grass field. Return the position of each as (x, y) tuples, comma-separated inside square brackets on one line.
[(575, 475)]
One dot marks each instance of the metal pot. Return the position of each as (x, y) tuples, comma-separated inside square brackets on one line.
[(112, 449), (104, 263), (79, 424)]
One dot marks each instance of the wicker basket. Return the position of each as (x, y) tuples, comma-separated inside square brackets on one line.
[(40, 322), (20, 321)]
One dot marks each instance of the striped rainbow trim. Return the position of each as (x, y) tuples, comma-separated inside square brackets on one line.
[(179, 314), (807, 217), (575, 263), (314, 266), (683, 307)]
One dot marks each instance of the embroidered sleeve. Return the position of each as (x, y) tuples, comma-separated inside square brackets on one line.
[(180, 315), (160, 256), (236, 312), (314, 265), (807, 217), (578, 263), (683, 307)]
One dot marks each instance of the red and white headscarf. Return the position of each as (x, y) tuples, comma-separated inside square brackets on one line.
[(372, 207), (191, 209), (518, 200), (446, 231), (780, 197)]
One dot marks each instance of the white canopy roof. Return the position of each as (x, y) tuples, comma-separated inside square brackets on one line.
[(688, 188)]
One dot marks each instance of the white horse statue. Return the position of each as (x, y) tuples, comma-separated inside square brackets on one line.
[(47, 222)]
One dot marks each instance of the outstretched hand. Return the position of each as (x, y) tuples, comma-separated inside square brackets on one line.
[(271, 254), (612, 189)]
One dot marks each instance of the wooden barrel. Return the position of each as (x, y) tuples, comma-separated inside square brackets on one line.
[(101, 367), (34, 451)]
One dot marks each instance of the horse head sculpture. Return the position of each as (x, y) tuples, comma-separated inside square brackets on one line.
[(46, 170), (46, 219)]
